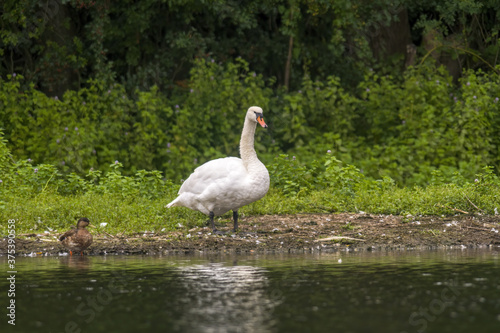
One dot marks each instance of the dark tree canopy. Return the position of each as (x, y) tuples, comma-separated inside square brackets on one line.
[(58, 44)]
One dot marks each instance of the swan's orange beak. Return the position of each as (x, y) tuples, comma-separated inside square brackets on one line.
[(261, 121)]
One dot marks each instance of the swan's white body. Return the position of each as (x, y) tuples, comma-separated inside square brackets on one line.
[(225, 184)]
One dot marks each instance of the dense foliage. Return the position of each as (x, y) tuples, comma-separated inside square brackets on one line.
[(403, 128), (60, 44), (163, 85)]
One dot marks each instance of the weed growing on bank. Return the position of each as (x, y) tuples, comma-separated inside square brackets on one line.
[(43, 200)]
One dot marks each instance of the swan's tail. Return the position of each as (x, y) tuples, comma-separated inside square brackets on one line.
[(173, 203)]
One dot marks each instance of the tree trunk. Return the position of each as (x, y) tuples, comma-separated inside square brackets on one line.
[(288, 63)]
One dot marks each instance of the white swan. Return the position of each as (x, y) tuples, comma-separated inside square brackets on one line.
[(225, 184)]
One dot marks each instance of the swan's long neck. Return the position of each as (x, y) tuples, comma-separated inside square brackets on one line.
[(247, 150)]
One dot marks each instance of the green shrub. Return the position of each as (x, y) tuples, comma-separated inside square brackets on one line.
[(41, 198), (401, 128), (425, 123)]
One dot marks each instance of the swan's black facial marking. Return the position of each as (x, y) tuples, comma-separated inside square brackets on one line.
[(258, 114), (260, 119)]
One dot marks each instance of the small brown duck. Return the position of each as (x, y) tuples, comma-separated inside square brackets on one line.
[(77, 239)]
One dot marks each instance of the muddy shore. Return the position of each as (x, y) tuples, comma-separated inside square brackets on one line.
[(291, 233)]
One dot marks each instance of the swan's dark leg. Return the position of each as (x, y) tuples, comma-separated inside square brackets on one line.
[(235, 219), (212, 224)]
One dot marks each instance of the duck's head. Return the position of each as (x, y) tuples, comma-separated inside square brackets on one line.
[(82, 223), (255, 114)]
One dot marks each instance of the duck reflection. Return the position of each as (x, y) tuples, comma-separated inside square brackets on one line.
[(226, 299), (76, 262)]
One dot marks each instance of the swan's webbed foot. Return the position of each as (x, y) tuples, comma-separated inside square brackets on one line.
[(247, 233)]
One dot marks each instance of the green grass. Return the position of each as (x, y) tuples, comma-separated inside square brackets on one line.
[(49, 211), (41, 199)]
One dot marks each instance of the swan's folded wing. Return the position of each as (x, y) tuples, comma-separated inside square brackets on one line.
[(219, 170)]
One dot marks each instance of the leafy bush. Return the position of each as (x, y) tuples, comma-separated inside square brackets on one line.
[(24, 180), (41, 198), (291, 177), (425, 123), (91, 127), (320, 110), (404, 129)]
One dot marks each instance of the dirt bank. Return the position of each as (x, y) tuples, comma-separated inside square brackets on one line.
[(292, 233)]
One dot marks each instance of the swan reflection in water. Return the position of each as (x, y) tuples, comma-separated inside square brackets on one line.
[(226, 299)]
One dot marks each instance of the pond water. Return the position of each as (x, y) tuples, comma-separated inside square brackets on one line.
[(403, 291)]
